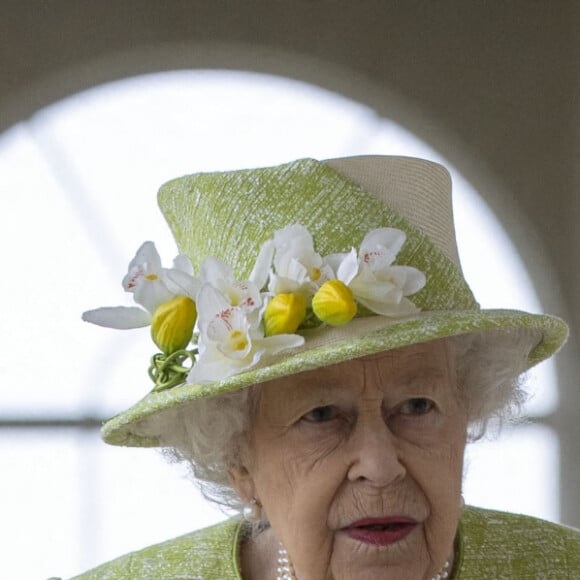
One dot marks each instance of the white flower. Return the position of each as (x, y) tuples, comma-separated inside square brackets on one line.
[(245, 295), (151, 286), (374, 281), (230, 340), (263, 264), (297, 266)]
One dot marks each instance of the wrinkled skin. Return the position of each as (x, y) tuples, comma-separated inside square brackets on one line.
[(378, 436)]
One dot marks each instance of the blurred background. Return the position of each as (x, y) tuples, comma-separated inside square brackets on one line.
[(100, 103)]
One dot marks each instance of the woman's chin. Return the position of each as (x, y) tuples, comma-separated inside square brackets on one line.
[(374, 553)]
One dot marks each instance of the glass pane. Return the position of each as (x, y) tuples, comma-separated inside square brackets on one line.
[(71, 502), (517, 473), (44, 284), (41, 496)]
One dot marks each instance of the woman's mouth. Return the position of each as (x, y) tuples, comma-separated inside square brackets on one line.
[(381, 531)]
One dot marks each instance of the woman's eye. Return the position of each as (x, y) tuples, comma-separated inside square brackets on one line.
[(417, 406), (321, 414)]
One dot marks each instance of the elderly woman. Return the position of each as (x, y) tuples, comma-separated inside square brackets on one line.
[(323, 363)]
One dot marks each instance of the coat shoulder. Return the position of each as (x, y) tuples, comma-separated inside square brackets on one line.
[(204, 554), (505, 545)]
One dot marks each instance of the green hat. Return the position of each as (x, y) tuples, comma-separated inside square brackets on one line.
[(349, 257)]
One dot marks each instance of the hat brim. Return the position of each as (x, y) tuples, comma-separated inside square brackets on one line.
[(135, 427)]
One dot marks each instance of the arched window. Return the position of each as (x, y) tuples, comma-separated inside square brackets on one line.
[(78, 182)]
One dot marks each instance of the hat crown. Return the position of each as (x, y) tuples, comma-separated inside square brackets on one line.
[(416, 189), (229, 215)]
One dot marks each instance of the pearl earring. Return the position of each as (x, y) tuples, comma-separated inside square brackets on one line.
[(252, 512)]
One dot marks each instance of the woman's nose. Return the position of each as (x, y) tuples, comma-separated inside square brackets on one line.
[(374, 454)]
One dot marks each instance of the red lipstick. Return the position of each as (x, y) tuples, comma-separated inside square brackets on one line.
[(381, 531)]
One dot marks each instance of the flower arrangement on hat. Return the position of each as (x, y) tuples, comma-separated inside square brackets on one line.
[(236, 324)]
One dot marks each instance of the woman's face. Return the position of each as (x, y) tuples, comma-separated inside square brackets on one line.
[(358, 465)]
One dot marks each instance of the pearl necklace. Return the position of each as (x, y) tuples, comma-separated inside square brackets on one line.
[(285, 570), (443, 573)]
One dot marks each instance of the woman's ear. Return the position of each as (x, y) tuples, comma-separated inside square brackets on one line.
[(242, 482)]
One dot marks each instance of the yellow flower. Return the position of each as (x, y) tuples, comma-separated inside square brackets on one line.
[(334, 303), (284, 314), (172, 324)]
